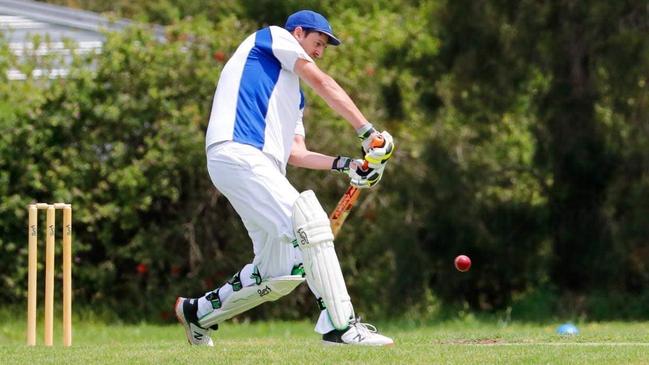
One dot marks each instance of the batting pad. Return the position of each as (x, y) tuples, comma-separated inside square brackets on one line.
[(323, 273), (251, 296)]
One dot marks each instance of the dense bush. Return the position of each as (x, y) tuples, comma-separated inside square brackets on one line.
[(482, 164)]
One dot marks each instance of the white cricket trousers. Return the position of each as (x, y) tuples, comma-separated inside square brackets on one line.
[(263, 198), (254, 184)]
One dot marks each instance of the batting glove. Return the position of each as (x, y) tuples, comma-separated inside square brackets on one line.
[(377, 147), (359, 177)]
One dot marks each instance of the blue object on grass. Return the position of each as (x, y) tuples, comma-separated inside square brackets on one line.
[(567, 329)]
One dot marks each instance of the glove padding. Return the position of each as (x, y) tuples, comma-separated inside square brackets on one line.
[(341, 164), (378, 155), (359, 177)]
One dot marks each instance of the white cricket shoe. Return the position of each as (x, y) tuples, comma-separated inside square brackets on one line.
[(360, 334), (186, 314)]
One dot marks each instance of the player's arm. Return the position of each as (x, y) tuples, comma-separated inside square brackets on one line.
[(302, 157), (359, 177), (327, 88)]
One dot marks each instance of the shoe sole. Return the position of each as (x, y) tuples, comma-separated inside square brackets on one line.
[(180, 316), (329, 343)]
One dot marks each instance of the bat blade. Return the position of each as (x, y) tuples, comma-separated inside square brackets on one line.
[(340, 213)]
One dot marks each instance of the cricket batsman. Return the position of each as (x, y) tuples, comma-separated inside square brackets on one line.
[(255, 129)]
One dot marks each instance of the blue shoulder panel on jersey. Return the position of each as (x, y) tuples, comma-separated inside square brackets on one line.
[(260, 75)]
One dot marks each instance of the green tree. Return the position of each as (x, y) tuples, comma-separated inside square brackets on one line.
[(521, 141)]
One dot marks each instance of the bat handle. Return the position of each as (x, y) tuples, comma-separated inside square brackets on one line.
[(377, 141)]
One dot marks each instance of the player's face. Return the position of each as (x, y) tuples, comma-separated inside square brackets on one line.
[(314, 43)]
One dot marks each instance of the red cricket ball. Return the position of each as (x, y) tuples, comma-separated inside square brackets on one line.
[(462, 263)]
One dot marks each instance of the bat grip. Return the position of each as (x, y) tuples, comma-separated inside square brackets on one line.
[(377, 141)]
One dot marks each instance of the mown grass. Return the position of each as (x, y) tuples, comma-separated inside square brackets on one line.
[(468, 341)]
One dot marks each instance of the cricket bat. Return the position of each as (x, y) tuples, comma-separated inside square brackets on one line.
[(346, 202)]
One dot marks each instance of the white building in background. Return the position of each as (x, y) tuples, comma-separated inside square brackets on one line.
[(20, 20)]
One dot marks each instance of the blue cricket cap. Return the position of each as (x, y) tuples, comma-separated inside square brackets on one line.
[(308, 19)]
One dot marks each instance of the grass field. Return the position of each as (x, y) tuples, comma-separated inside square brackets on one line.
[(454, 342)]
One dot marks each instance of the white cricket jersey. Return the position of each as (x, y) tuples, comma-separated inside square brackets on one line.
[(258, 100)]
